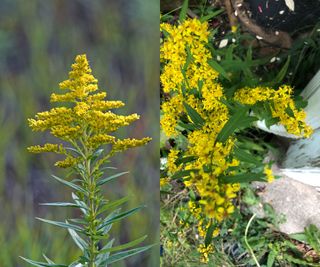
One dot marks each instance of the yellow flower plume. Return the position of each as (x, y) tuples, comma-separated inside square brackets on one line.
[(86, 121)]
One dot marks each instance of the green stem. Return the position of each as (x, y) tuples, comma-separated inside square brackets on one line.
[(91, 202), (246, 240)]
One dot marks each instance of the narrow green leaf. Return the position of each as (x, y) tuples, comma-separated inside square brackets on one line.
[(289, 111), (300, 237), (242, 178), (183, 173), (77, 239), (70, 184), (108, 227), (110, 178), (60, 204), (113, 204), (217, 67), (232, 124), (104, 256), (282, 73), (120, 216), (211, 15), (300, 103), (185, 160), (183, 12), (83, 206), (47, 259), (246, 157), (125, 254), (194, 115), (190, 127), (42, 264), (125, 246), (74, 150), (313, 235), (188, 60), (96, 154), (271, 258), (209, 233), (61, 224)]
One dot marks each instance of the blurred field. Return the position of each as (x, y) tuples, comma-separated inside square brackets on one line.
[(38, 43)]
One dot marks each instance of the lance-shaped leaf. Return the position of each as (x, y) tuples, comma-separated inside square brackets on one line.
[(77, 239), (96, 154), (125, 254), (82, 205), (185, 160), (183, 12), (113, 204), (120, 216), (47, 259), (242, 178), (60, 204), (282, 73), (43, 264), (194, 115), (240, 119), (62, 224), (104, 256), (183, 173), (70, 184), (125, 246), (211, 15), (110, 178), (108, 227), (190, 127), (209, 233), (245, 157), (217, 67)]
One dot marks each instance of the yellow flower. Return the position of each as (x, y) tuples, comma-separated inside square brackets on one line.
[(205, 251), (172, 157), (87, 121), (280, 102), (164, 181), (268, 172)]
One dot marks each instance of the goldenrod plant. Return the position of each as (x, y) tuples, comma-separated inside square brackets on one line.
[(196, 107), (84, 126)]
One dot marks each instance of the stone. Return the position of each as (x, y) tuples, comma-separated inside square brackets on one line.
[(300, 203)]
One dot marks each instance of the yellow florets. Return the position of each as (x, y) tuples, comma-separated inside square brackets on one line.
[(188, 80), (88, 119), (179, 78), (268, 172), (205, 252), (280, 102)]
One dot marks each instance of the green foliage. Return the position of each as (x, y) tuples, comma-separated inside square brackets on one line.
[(94, 225), (38, 40), (238, 240)]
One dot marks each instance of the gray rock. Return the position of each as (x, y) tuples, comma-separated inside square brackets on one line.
[(300, 203)]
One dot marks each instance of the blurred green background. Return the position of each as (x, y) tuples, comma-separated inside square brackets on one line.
[(38, 43)]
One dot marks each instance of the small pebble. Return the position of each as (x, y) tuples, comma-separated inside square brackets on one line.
[(272, 60), (223, 43)]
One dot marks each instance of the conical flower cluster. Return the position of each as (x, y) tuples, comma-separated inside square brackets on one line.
[(86, 120)]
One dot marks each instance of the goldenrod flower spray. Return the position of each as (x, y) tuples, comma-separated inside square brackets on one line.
[(196, 108), (85, 126)]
